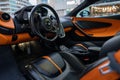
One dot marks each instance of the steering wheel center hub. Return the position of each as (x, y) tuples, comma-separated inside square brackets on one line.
[(47, 24)]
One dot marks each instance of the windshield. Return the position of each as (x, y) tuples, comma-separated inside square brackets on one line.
[(61, 6)]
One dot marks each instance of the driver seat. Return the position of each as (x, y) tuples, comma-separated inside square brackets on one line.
[(54, 67), (51, 67)]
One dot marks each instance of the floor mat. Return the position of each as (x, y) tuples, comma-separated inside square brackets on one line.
[(8, 66)]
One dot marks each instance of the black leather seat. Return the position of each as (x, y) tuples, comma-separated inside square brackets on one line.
[(107, 61), (86, 52), (112, 44), (52, 67), (55, 67)]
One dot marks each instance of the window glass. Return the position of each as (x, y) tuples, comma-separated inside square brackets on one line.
[(101, 8)]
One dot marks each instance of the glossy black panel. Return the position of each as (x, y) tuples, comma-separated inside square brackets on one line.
[(92, 24), (4, 30)]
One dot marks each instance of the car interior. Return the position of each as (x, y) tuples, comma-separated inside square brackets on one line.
[(39, 45)]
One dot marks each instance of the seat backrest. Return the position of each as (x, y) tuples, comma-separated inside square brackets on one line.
[(112, 44), (51, 67)]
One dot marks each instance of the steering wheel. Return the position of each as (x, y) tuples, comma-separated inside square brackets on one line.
[(45, 25)]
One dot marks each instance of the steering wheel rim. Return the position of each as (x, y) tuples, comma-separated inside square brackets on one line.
[(59, 31)]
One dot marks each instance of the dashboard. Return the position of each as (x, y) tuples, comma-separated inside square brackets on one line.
[(16, 30)]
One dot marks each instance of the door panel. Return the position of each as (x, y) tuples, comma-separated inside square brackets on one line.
[(109, 28)]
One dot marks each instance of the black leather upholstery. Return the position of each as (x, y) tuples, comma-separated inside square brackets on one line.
[(45, 67), (112, 44), (75, 63), (92, 66), (86, 52)]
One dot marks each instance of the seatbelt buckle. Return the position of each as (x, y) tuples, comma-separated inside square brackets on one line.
[(105, 69)]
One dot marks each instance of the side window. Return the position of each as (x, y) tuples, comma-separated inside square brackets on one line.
[(101, 9), (84, 13)]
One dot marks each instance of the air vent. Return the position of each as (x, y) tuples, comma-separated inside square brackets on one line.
[(5, 17)]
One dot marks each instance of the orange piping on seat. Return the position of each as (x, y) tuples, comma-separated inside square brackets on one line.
[(82, 46), (48, 58)]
